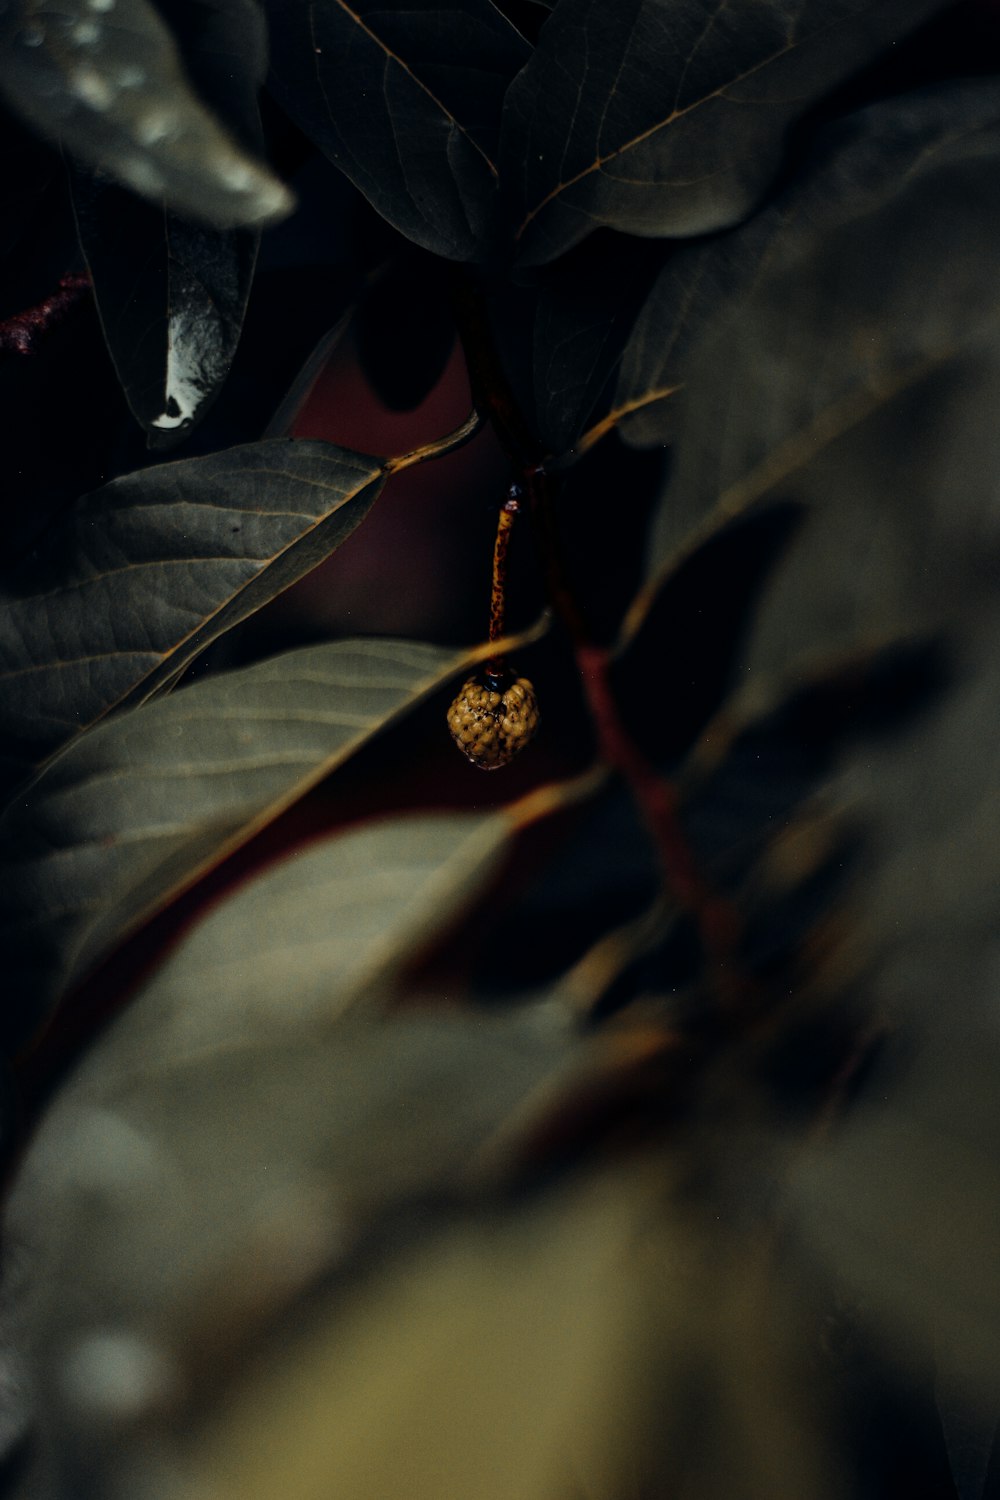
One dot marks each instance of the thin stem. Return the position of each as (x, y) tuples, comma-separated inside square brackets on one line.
[(472, 425), (593, 435)]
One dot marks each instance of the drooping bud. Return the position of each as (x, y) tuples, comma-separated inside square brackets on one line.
[(493, 717)]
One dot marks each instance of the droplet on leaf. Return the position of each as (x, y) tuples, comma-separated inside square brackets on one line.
[(493, 717)]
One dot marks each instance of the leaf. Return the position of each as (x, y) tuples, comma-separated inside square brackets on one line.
[(872, 341), (859, 166), (172, 294), (112, 90), (502, 1360), (668, 117), (562, 337), (139, 807), (406, 101), (903, 1193), (144, 572), (334, 1119)]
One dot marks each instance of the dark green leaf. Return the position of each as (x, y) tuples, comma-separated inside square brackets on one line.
[(668, 117), (146, 571), (859, 167), (562, 336), (172, 294), (406, 100), (874, 341), (140, 806), (107, 82)]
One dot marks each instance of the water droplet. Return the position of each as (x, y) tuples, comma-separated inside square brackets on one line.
[(131, 77), (101, 5), (32, 36), (86, 33)]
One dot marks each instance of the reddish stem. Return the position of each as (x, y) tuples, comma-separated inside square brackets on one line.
[(21, 333), (718, 922)]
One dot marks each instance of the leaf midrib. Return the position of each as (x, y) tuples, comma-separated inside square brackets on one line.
[(676, 114), (393, 57)]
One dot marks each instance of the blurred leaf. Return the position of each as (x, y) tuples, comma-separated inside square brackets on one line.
[(146, 802), (499, 1363), (111, 89), (859, 166), (236, 1134), (874, 342), (144, 572), (172, 294), (184, 1209), (904, 1192), (406, 101), (668, 117)]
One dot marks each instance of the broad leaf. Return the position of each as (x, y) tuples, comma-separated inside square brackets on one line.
[(143, 573), (107, 82), (872, 341), (859, 167), (172, 294), (406, 101), (135, 810), (245, 1029), (562, 336), (904, 1192), (668, 117)]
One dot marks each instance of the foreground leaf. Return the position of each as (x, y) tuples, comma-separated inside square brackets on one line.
[(903, 1191), (406, 101), (664, 118), (145, 572), (189, 1250), (113, 91), (263, 1023), (172, 294), (135, 810)]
